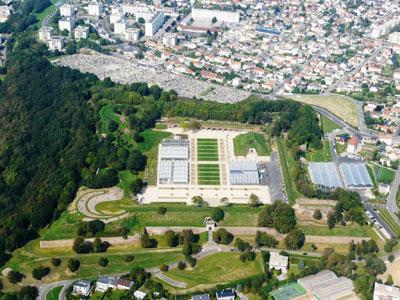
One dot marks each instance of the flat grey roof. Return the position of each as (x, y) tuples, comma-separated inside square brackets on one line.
[(243, 172), (325, 174), (355, 174)]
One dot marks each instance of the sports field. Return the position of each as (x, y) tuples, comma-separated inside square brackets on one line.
[(289, 291), (208, 174), (207, 149)]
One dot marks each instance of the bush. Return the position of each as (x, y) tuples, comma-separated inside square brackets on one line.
[(15, 277), (164, 268), (264, 239), (217, 214), (222, 236), (129, 258), (181, 265), (56, 261), (147, 242), (40, 272), (191, 261), (103, 262), (241, 245), (171, 238), (279, 215), (162, 210), (73, 264), (294, 240), (317, 215), (389, 245)]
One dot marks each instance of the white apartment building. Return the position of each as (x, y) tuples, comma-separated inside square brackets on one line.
[(169, 39), (81, 32), (120, 27), (56, 43), (66, 23), (138, 10), (221, 15), (5, 12), (95, 9), (45, 34), (150, 28), (132, 34), (67, 10), (116, 16)]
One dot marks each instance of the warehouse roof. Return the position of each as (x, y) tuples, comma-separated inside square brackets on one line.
[(243, 172), (325, 174), (355, 174)]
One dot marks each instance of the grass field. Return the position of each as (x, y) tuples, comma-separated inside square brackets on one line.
[(321, 155), (54, 293), (338, 105), (45, 12), (207, 149), (291, 190), (107, 115), (218, 268), (242, 144), (348, 230), (328, 125), (384, 174), (208, 174)]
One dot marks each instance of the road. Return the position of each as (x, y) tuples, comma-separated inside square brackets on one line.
[(46, 19), (275, 182), (379, 219), (391, 199)]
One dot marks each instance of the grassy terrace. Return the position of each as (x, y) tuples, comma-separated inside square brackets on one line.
[(328, 125), (354, 230), (286, 163), (147, 215), (384, 174), (207, 149), (208, 174), (218, 268), (243, 142)]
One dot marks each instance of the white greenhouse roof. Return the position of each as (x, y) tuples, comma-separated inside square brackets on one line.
[(243, 172), (325, 174), (355, 175), (174, 149), (173, 171)]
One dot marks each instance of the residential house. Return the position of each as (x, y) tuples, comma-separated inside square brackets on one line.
[(228, 294), (278, 262), (353, 145), (124, 284), (201, 297), (105, 283), (139, 295), (81, 288)]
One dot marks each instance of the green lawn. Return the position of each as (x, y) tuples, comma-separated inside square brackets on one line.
[(126, 178), (208, 174), (384, 174), (286, 161), (321, 155), (207, 149), (348, 230), (242, 144), (54, 293), (340, 148), (218, 268), (107, 115), (328, 125), (46, 11), (372, 175)]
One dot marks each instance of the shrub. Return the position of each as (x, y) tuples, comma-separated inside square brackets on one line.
[(181, 265), (317, 215), (73, 264), (294, 240), (192, 261), (15, 277), (129, 258), (56, 261), (217, 214), (40, 272), (162, 210), (222, 236), (103, 262), (164, 268)]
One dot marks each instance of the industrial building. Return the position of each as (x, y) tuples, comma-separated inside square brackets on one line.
[(151, 27), (243, 172), (173, 163), (220, 15), (355, 175), (325, 175)]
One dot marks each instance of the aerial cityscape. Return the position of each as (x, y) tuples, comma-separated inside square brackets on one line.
[(199, 149)]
